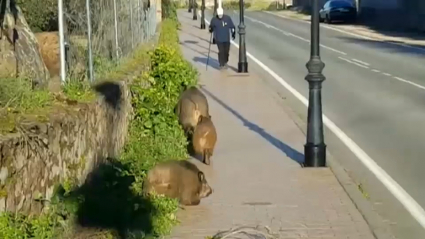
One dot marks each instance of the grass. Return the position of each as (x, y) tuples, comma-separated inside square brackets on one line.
[(17, 94), (111, 203), (252, 5)]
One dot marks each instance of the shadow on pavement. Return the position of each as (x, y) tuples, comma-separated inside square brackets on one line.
[(388, 47), (200, 38), (187, 42), (286, 149), (106, 201), (212, 62)]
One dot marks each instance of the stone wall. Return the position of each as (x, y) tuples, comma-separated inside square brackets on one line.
[(74, 138)]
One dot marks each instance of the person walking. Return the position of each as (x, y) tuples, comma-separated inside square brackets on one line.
[(222, 25)]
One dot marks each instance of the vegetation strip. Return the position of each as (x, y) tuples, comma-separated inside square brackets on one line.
[(112, 204)]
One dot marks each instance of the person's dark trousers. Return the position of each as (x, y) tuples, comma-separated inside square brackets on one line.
[(223, 52)]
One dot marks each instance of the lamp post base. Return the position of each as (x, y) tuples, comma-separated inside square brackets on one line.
[(202, 25), (315, 155), (243, 67)]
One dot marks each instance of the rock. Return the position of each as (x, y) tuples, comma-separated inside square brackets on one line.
[(49, 48), (20, 54)]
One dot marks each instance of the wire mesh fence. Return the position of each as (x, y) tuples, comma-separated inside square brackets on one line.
[(99, 31)]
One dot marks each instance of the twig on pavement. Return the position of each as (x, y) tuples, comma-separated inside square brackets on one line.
[(258, 232)]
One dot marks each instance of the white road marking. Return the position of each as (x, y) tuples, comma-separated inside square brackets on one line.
[(293, 35), (361, 62), (354, 63), (409, 82), (403, 197), (350, 33)]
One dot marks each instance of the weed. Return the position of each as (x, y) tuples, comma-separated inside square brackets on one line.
[(18, 94), (79, 91)]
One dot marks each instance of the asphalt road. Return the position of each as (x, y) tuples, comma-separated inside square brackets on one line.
[(374, 92)]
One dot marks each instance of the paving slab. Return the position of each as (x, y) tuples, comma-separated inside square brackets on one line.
[(255, 170)]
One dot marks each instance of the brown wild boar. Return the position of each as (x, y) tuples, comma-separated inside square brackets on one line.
[(188, 114), (179, 179), (204, 138), (192, 103)]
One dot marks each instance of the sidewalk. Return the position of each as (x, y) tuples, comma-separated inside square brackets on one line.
[(254, 172)]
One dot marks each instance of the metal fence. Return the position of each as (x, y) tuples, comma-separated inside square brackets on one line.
[(99, 31)]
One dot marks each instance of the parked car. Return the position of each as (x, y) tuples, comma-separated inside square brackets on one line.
[(338, 10)]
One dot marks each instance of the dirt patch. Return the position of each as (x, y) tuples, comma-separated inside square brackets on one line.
[(49, 48)]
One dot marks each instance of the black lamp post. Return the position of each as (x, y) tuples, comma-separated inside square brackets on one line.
[(203, 15), (190, 6), (242, 64), (215, 7), (315, 147), (195, 14)]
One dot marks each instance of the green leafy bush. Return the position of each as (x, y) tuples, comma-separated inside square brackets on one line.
[(169, 9), (40, 18), (234, 5)]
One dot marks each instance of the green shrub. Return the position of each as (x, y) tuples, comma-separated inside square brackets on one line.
[(156, 135), (169, 9), (40, 18), (234, 5)]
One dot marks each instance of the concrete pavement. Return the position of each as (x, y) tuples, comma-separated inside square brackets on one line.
[(255, 170)]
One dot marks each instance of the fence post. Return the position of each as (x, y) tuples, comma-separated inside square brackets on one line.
[(131, 24), (139, 20), (61, 41), (116, 30), (91, 77)]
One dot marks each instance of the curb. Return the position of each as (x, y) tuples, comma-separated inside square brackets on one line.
[(379, 229)]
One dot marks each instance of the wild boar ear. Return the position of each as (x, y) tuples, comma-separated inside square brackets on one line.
[(201, 176)]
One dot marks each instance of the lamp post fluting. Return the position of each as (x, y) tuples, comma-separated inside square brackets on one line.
[(315, 147)]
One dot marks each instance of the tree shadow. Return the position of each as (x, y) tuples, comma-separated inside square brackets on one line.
[(197, 51), (385, 45), (106, 201), (388, 22), (193, 35), (286, 149), (185, 43)]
